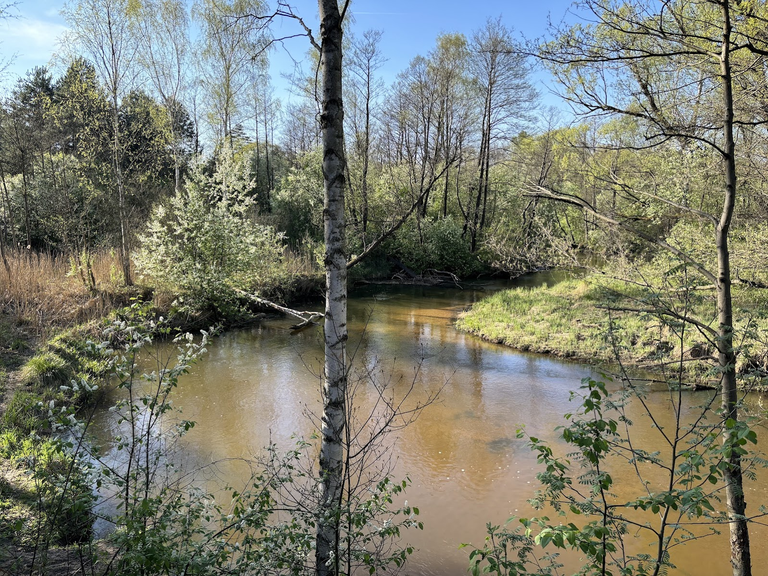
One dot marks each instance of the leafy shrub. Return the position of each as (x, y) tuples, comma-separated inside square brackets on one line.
[(64, 488), (204, 246), (440, 246), (57, 486)]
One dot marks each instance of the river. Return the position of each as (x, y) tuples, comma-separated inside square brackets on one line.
[(467, 468)]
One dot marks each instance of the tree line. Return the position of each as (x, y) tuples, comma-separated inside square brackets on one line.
[(85, 156)]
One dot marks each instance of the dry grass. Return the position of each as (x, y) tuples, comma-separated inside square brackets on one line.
[(45, 293), (40, 291), (303, 263)]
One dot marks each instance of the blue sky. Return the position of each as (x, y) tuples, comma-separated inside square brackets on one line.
[(410, 28)]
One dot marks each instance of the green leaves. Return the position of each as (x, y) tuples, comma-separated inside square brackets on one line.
[(678, 483), (204, 246)]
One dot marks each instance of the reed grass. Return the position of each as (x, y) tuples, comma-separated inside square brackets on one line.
[(41, 290)]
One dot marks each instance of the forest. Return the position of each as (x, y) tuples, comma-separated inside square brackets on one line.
[(157, 185)]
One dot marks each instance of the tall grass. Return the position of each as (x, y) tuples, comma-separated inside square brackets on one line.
[(44, 291), (40, 290)]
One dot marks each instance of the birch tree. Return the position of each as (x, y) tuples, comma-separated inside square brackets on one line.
[(163, 27), (334, 417), (230, 43)]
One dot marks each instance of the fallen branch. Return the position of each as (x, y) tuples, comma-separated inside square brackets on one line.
[(442, 275), (307, 317), (750, 283)]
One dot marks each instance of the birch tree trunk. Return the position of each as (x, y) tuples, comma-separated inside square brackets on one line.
[(335, 371)]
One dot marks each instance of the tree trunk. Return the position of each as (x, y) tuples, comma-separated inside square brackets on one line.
[(266, 154), (485, 144), (258, 144), (366, 152), (734, 490), (125, 261), (335, 372), (7, 199), (25, 197), (176, 159)]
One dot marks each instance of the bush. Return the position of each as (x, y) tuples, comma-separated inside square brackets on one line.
[(203, 245), (65, 492), (440, 246)]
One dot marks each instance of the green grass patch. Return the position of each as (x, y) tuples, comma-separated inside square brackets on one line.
[(552, 320), (597, 320), (45, 370)]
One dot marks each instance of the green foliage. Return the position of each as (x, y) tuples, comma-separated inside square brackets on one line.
[(203, 245), (73, 208), (680, 481), (370, 524), (14, 445), (436, 245), (297, 205), (65, 489), (56, 487)]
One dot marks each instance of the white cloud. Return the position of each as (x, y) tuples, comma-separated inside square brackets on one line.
[(31, 39)]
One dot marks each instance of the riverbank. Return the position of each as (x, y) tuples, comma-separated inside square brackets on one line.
[(601, 321), (48, 316)]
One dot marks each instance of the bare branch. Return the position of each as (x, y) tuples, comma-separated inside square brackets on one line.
[(542, 192)]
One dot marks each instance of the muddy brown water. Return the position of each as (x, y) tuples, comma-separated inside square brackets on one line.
[(466, 465)]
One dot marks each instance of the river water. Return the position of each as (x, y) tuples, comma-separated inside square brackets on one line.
[(467, 468)]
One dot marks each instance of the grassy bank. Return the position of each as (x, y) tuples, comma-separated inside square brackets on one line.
[(601, 321)]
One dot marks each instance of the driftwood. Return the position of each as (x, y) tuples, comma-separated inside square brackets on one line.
[(407, 271), (307, 318), (311, 321)]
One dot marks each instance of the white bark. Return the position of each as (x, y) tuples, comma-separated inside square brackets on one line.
[(335, 372)]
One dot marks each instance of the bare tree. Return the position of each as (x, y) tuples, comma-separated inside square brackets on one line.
[(365, 59), (501, 73)]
